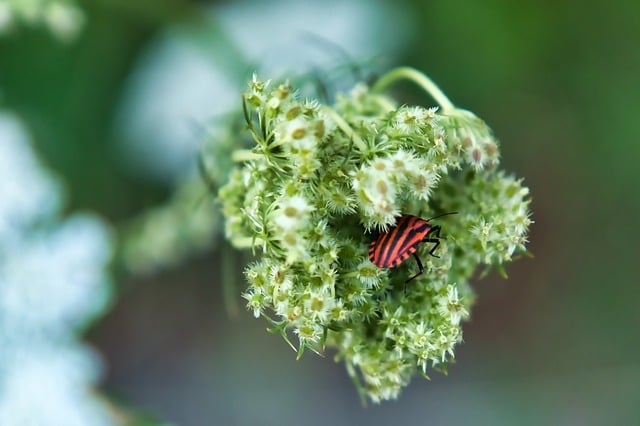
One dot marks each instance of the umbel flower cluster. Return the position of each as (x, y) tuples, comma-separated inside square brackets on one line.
[(321, 182)]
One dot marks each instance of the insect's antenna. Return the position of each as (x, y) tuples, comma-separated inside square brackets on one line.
[(440, 215)]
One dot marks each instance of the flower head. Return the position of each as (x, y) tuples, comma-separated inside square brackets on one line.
[(318, 186)]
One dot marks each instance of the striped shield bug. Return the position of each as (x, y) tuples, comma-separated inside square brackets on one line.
[(393, 247)]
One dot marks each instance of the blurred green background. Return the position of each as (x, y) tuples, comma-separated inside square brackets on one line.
[(559, 82)]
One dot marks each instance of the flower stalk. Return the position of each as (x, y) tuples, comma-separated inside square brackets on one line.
[(420, 79)]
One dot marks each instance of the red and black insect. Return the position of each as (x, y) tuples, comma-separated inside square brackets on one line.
[(393, 247)]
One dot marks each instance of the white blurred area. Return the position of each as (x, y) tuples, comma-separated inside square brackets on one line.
[(63, 18), (186, 79), (53, 282), (29, 194)]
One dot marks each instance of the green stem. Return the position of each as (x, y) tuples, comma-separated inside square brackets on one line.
[(420, 79), (344, 126), (246, 242), (241, 155)]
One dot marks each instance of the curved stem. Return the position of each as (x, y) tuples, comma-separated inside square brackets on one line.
[(420, 79), (344, 126)]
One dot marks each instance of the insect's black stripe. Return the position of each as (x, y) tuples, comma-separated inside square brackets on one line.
[(380, 246), (411, 239), (402, 241), (396, 239), (407, 244)]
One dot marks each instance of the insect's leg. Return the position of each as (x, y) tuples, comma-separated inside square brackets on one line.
[(420, 269), (435, 239)]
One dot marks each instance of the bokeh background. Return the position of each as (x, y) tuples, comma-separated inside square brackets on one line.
[(119, 113)]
